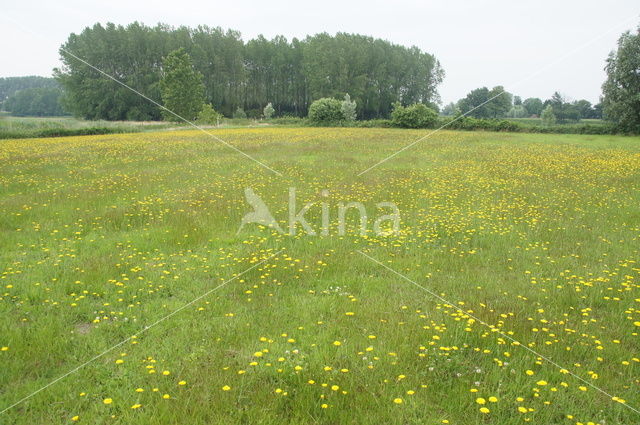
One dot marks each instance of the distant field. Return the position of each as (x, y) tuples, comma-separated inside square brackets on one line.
[(534, 234)]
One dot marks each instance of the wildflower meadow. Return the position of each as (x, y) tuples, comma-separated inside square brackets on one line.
[(507, 292)]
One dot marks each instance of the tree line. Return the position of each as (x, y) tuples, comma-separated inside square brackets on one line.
[(620, 100), (36, 102), (31, 96), (10, 85), (242, 75), (498, 103), (266, 78)]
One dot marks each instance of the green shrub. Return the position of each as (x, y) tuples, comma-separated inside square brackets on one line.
[(417, 115), (325, 111), (208, 115), (487, 124), (254, 114), (290, 120), (548, 116), (239, 113), (268, 111), (472, 124), (348, 109)]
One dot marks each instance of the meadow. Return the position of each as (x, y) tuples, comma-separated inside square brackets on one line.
[(21, 127), (12, 127), (530, 241)]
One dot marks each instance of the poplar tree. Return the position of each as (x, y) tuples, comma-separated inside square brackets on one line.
[(181, 87)]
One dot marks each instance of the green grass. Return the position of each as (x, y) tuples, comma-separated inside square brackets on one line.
[(39, 127), (23, 127), (535, 234)]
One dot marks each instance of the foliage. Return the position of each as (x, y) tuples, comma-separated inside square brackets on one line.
[(348, 108), (10, 85), (559, 107), (517, 111), (288, 73), (474, 104), (523, 126), (36, 101), (485, 103), (268, 111), (181, 87), (239, 113), (208, 115), (254, 114), (548, 116), (501, 102), (584, 109), (484, 124), (496, 103), (450, 109), (621, 102), (325, 111), (597, 111), (417, 115), (290, 120), (516, 125), (533, 105), (92, 96), (570, 111)]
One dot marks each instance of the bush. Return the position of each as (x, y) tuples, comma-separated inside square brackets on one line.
[(289, 120), (348, 109), (417, 115), (208, 115), (517, 111), (239, 113), (548, 116), (486, 124), (471, 124), (254, 114), (325, 111), (268, 111)]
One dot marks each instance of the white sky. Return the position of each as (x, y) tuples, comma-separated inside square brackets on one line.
[(478, 43)]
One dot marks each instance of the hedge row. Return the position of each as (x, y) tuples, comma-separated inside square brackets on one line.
[(467, 123)]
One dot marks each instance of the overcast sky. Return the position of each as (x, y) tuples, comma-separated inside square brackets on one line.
[(478, 43)]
